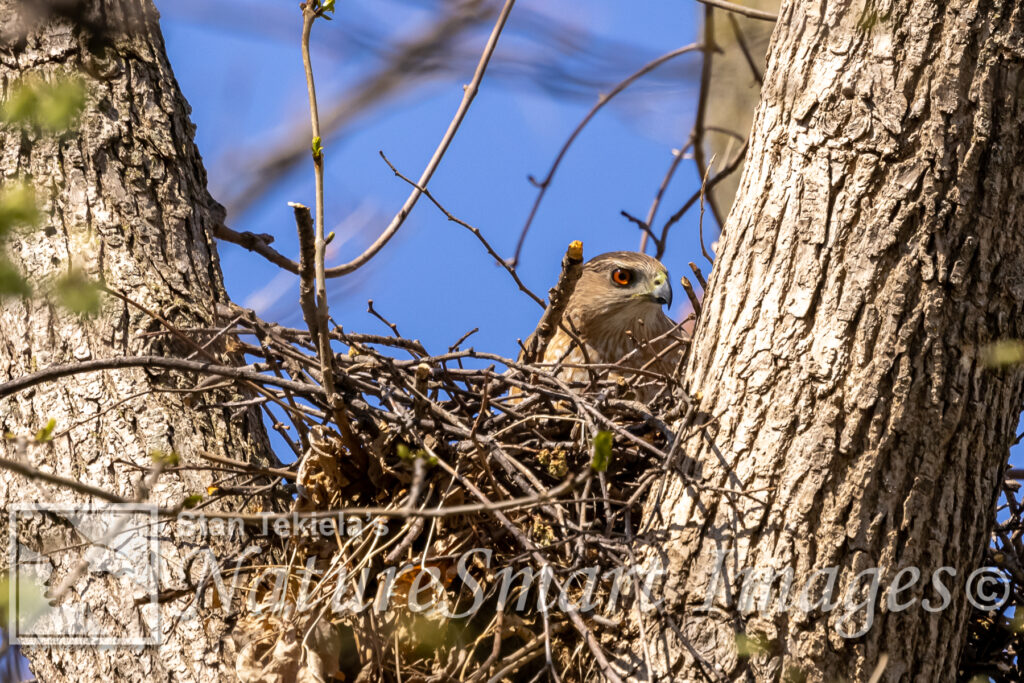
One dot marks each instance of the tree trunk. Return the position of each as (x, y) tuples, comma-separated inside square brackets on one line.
[(124, 200), (875, 248)]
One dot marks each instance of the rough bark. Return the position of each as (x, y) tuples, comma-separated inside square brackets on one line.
[(875, 248), (124, 199)]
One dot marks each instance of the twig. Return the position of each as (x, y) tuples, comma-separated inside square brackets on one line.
[(696, 196), (691, 295), (121, 362), (552, 495), (876, 675), (311, 10), (249, 468), (644, 226), (699, 275), (476, 232), (700, 221), (376, 314), (307, 269), (71, 484), (259, 244), (460, 340), (467, 99), (423, 56), (180, 335), (702, 105), (601, 101), (558, 299), (677, 157), (740, 9), (741, 40)]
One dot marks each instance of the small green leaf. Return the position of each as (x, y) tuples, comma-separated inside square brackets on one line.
[(328, 5), (29, 597), (406, 453), (192, 501), (748, 646), (46, 433), (79, 294), (11, 281), (318, 149), (20, 105), (18, 207), (164, 459), (61, 105), (1003, 353), (53, 107), (602, 451)]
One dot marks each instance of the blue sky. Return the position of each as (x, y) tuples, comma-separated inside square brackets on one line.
[(245, 83)]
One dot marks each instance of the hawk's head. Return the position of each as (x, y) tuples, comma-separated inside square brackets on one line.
[(616, 290)]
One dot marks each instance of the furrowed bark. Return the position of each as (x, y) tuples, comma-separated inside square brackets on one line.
[(124, 199), (875, 248)]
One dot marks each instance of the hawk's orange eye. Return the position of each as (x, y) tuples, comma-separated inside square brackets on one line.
[(622, 277)]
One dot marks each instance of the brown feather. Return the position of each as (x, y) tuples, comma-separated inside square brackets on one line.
[(613, 320)]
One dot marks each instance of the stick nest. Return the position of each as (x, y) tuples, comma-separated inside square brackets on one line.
[(434, 456)]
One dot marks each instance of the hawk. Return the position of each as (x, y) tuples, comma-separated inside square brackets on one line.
[(616, 309)]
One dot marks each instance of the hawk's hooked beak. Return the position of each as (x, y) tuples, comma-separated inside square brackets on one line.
[(662, 292)]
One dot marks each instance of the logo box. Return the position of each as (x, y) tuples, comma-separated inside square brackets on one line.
[(77, 570)]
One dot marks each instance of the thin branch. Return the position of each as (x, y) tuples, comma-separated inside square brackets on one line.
[(603, 100), (259, 244), (719, 177), (548, 496), (740, 9), (558, 298), (741, 40), (677, 157), (645, 229), (250, 468), (71, 484), (699, 275), (476, 231), (691, 295), (702, 105), (460, 340), (307, 268), (725, 131), (376, 314), (311, 10), (467, 99), (201, 350), (700, 221), (423, 56), (121, 362)]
